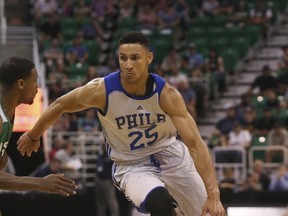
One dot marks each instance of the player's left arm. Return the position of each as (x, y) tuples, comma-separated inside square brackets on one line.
[(172, 103)]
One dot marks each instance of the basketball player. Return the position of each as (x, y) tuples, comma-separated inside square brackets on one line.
[(18, 82), (141, 115)]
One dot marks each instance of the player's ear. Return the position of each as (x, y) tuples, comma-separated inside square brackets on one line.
[(20, 84), (150, 57)]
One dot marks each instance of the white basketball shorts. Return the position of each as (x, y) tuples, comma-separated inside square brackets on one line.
[(172, 168)]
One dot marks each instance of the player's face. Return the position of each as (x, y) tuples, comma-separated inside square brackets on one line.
[(30, 88), (134, 60)]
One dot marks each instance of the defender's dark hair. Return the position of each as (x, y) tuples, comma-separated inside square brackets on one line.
[(13, 69), (135, 37)]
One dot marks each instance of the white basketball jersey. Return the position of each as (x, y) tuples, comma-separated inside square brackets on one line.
[(134, 127)]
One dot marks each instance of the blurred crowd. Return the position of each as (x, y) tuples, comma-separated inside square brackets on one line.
[(78, 42)]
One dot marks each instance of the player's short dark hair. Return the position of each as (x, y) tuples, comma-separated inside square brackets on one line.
[(135, 37), (13, 69)]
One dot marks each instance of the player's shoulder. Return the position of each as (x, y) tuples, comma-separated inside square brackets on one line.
[(169, 91)]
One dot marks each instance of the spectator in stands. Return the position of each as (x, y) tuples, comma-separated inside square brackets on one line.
[(91, 74), (228, 183), (82, 10), (225, 125), (44, 8), (171, 61), (99, 8), (109, 66), (239, 136), (226, 6), (277, 136), (263, 175), (53, 55), (56, 90), (265, 81), (195, 59), (216, 139), (260, 14), (265, 123), (93, 30), (146, 17), (283, 63), (70, 164), (253, 183), (183, 9), (105, 194), (57, 143), (249, 120), (188, 95), (62, 124), (77, 52), (168, 17), (126, 9), (210, 7), (272, 100), (240, 15), (89, 123), (50, 29), (246, 102), (50, 167), (279, 180), (174, 76), (214, 63), (57, 75), (65, 8)]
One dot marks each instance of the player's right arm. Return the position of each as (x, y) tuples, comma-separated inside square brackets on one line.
[(90, 95), (54, 183)]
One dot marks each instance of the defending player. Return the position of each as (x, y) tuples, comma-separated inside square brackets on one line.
[(18, 84)]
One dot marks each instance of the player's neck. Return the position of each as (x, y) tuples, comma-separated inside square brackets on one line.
[(137, 88), (9, 102)]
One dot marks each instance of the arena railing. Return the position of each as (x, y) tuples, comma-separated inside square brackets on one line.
[(239, 168), (3, 23), (265, 149), (87, 147)]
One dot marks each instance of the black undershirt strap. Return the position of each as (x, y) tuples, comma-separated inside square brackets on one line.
[(149, 85)]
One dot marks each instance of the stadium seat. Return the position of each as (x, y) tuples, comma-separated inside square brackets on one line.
[(215, 32), (202, 21), (68, 23), (69, 33), (259, 141), (241, 44), (78, 71), (230, 57), (161, 49), (253, 32), (93, 49), (220, 20), (219, 43), (195, 32)]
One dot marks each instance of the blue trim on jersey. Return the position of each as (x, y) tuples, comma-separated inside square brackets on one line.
[(115, 182), (113, 83)]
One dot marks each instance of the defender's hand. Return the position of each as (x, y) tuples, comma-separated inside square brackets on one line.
[(58, 184)]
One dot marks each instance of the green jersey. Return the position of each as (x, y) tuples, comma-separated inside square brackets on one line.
[(6, 132)]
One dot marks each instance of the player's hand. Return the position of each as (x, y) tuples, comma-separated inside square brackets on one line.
[(3, 160), (58, 184), (27, 146), (214, 207)]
